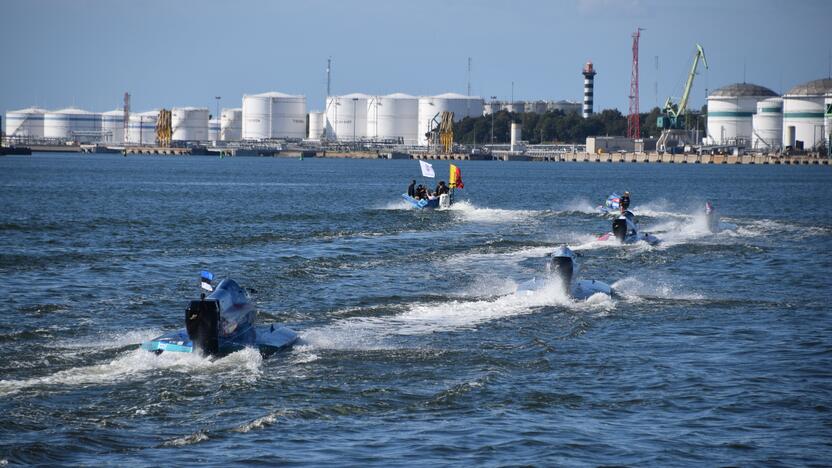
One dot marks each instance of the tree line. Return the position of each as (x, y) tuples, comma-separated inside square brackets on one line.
[(555, 126)]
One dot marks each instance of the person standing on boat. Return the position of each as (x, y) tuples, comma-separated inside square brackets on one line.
[(411, 189), (625, 202), (441, 189)]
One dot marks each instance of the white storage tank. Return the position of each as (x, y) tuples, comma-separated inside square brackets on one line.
[(564, 106), (730, 111), (112, 127), (141, 128), (189, 123), (274, 115), (431, 107), (492, 107), (316, 126), (804, 109), (72, 124), (213, 129), (346, 117), (393, 117), (516, 106), (768, 124), (25, 123), (231, 124), (516, 132), (536, 107)]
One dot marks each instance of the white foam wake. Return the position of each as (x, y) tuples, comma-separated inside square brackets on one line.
[(470, 212), (369, 333), (133, 364)]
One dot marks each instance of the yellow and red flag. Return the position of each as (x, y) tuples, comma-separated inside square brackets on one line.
[(455, 180)]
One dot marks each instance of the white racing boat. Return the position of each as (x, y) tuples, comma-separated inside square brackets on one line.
[(563, 268)]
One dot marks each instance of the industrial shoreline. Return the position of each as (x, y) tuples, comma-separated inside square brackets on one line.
[(577, 157)]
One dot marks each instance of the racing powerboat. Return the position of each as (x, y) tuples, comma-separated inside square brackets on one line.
[(222, 323), (612, 205), (442, 201), (563, 267), (625, 230), (711, 217)]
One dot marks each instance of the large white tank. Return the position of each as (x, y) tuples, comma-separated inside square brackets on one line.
[(393, 117), (432, 106), (491, 107), (316, 126), (516, 132), (213, 130), (231, 125), (563, 106), (768, 124), (141, 128), (112, 127), (516, 106), (827, 102), (25, 123), (346, 117), (536, 107), (189, 123), (730, 111), (804, 108), (274, 115), (72, 124)]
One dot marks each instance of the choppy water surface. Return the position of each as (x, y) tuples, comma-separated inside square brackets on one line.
[(415, 348)]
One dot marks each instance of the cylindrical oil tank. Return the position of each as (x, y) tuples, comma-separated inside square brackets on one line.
[(346, 117), (393, 117), (789, 132), (112, 127), (431, 107), (213, 129), (516, 131), (189, 123), (516, 107), (564, 106), (827, 102), (535, 107), (141, 128), (25, 123), (274, 115), (730, 111), (804, 109), (316, 126), (768, 124), (491, 107), (72, 124), (231, 125)]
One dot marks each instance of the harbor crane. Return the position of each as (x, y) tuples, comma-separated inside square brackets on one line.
[(672, 122)]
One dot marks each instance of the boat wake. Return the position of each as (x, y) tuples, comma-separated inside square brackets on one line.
[(372, 333), (472, 213), (634, 289), (244, 364)]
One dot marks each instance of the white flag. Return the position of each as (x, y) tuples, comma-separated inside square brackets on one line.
[(427, 169)]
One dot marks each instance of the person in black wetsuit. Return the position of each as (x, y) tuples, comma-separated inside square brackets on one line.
[(411, 189), (625, 201), (441, 189)]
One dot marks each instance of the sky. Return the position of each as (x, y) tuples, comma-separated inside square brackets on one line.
[(169, 53)]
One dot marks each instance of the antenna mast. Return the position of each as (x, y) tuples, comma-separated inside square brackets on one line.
[(633, 119)]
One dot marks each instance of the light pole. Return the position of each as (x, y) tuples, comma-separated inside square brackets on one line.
[(217, 117), (493, 110)]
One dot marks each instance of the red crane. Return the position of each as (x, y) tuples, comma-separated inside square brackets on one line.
[(633, 122)]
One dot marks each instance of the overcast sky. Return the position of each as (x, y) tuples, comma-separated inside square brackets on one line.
[(167, 53)]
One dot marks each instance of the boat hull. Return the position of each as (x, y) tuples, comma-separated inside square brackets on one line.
[(268, 339)]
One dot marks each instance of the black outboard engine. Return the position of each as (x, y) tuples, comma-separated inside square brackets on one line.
[(202, 320), (563, 268), (619, 228)]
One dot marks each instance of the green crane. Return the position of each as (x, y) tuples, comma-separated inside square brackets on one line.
[(674, 114)]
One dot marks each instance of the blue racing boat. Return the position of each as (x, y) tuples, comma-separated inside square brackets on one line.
[(612, 205), (222, 323)]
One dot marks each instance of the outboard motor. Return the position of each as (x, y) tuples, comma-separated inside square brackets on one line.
[(202, 323), (619, 228), (562, 265)]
